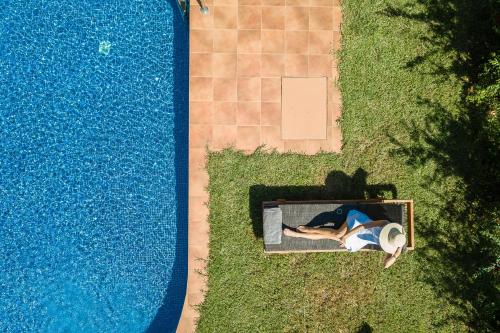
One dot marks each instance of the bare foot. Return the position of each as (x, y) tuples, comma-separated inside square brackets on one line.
[(291, 233), (303, 228)]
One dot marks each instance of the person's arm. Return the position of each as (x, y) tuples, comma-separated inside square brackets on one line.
[(372, 224), (391, 258)]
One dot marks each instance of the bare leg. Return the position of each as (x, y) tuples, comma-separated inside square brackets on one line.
[(324, 234), (321, 231), (343, 229), (310, 230)]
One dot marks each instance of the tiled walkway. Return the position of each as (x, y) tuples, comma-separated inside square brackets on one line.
[(238, 54)]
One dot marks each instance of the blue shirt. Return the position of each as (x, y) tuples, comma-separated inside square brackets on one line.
[(359, 240)]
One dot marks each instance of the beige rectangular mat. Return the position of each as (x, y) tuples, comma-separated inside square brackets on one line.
[(303, 108)]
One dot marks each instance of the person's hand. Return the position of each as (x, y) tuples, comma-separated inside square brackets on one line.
[(389, 260), (342, 241)]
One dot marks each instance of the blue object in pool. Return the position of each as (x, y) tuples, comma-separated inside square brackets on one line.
[(93, 165)]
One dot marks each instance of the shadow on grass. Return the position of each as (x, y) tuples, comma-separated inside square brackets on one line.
[(463, 245), (338, 185), (461, 259), (365, 328), (467, 28)]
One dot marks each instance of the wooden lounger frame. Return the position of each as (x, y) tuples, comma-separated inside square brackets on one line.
[(410, 215)]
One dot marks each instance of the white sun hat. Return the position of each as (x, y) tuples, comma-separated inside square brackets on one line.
[(391, 237)]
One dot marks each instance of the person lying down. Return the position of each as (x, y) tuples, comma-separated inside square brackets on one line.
[(356, 232)]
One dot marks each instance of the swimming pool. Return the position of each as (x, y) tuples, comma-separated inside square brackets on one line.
[(93, 165)]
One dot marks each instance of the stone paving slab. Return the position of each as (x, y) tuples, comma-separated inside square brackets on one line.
[(303, 108)]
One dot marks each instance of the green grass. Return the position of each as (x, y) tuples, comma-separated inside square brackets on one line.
[(387, 107)]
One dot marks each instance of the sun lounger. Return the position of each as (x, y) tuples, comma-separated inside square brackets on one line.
[(331, 213)]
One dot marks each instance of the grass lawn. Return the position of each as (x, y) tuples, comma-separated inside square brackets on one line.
[(404, 127)]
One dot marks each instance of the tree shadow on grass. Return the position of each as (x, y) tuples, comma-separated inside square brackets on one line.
[(338, 186), (463, 244), (365, 328), (467, 28), (461, 259)]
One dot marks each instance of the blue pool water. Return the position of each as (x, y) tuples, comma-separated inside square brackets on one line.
[(93, 165)]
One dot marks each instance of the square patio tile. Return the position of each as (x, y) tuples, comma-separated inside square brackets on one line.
[(334, 95), (224, 2), (250, 2), (223, 136), (296, 146), (325, 3), (273, 41), (249, 17), (199, 21), (297, 18), (320, 19), (296, 65), (224, 65), (198, 209), (272, 65), (249, 89), (199, 135), (334, 112), (273, 18), (248, 113), (249, 41), (225, 89), (196, 263), (225, 40), (201, 41), (336, 44), (195, 3), (197, 159), (320, 65), (271, 113), (224, 113), (296, 42), (198, 182), (248, 137), (320, 42), (337, 18), (271, 89), (297, 2), (200, 112), (225, 17), (336, 139), (271, 137), (200, 64), (200, 89), (248, 65)]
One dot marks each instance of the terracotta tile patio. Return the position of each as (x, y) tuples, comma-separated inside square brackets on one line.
[(239, 52)]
